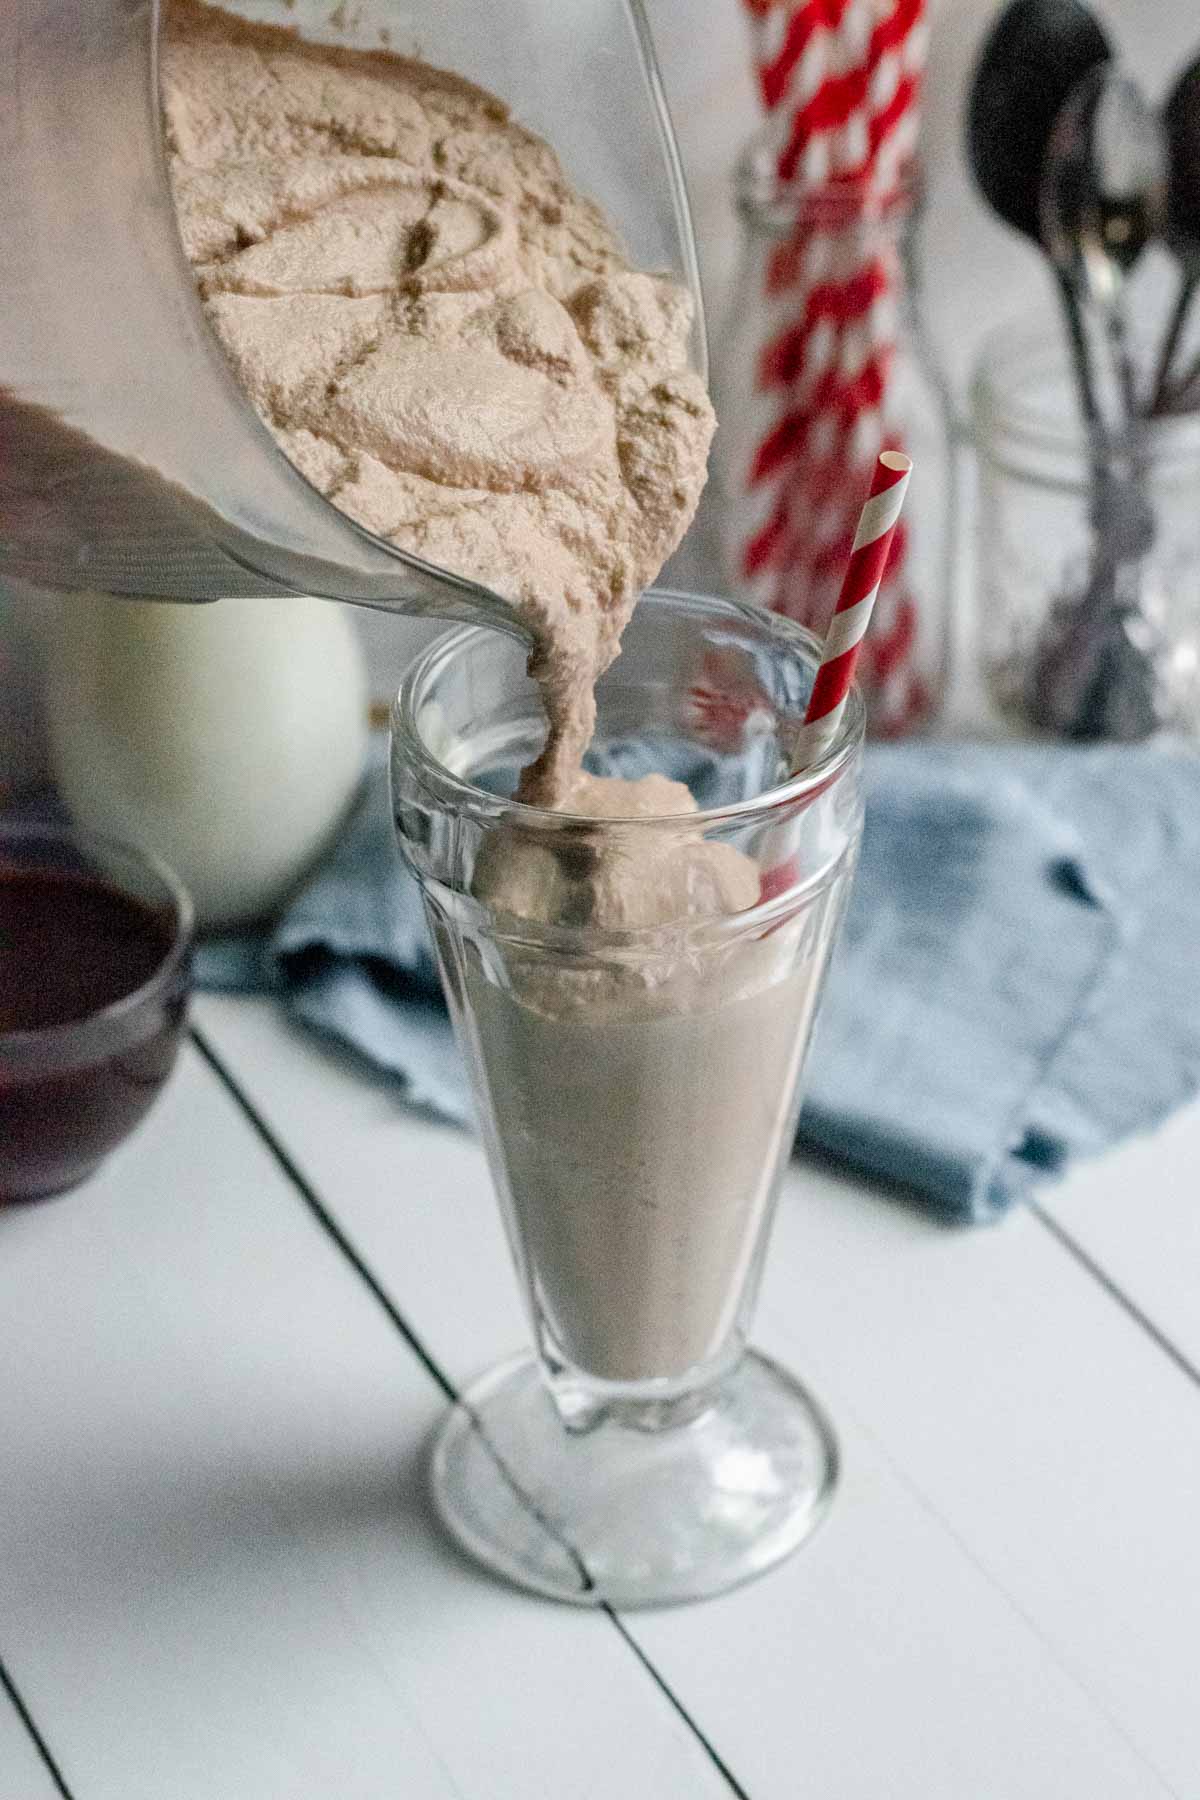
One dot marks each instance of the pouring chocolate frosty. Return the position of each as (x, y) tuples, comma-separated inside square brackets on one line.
[(372, 269), (464, 396)]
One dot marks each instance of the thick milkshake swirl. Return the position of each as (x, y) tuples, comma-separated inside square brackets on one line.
[(441, 333), (446, 338)]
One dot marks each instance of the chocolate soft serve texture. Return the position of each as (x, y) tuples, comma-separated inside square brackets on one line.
[(442, 334), (446, 338)]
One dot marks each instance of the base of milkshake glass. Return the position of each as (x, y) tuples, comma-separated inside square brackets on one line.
[(627, 1516)]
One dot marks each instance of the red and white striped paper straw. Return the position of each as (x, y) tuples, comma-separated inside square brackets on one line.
[(841, 78), (860, 585)]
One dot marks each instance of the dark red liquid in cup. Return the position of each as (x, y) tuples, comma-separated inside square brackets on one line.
[(71, 946)]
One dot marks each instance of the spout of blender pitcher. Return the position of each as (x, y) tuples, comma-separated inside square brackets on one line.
[(130, 460), (76, 517)]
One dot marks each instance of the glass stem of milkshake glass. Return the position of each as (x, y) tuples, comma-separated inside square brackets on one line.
[(638, 1086)]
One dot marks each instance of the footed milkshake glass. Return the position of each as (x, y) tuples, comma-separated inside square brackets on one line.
[(637, 1089)]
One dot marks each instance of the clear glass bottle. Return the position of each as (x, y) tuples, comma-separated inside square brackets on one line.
[(1088, 570), (820, 366), (229, 739)]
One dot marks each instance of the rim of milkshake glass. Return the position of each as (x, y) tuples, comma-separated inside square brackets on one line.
[(644, 1454), (478, 803)]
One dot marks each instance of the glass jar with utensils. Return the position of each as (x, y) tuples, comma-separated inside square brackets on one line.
[(1089, 540), (1088, 578)]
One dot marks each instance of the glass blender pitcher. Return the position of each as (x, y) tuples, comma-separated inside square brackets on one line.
[(130, 461)]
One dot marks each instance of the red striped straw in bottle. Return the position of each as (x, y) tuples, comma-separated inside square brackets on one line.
[(860, 585)]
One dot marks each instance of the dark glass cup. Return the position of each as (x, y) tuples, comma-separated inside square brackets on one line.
[(95, 960)]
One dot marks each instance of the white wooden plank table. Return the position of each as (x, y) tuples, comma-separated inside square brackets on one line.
[(1138, 1225), (218, 1573), (26, 1766), (219, 1577)]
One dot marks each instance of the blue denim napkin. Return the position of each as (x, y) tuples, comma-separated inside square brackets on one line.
[(1017, 983)]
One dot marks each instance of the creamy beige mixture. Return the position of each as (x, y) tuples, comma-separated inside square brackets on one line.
[(639, 1090), (624, 881), (639, 1130), (446, 339), (442, 334)]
